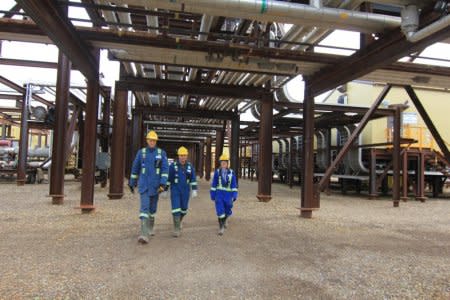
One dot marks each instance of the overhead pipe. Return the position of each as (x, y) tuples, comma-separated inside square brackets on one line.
[(277, 11), (410, 24)]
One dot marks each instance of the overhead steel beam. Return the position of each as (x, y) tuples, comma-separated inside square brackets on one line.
[(176, 87), (57, 26), (188, 113), (318, 108), (27, 63), (378, 54), (168, 124)]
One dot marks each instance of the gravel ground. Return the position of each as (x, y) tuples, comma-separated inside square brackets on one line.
[(353, 248)]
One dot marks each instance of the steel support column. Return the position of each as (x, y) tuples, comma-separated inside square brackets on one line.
[(373, 188), (208, 159), (136, 133), (404, 198), (105, 120), (421, 177), (90, 147), (220, 139), (234, 147), (291, 162), (118, 145), (201, 165), (310, 198), (265, 147), (23, 141), (60, 130), (396, 155)]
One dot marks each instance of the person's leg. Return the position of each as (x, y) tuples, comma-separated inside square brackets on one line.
[(153, 209), (144, 216), (184, 203), (228, 205), (175, 197), (220, 210)]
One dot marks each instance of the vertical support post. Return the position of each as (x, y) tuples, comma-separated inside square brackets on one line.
[(3, 131), (421, 177), (252, 172), (291, 162), (60, 130), (265, 150), (404, 198), (136, 133), (234, 147), (396, 155), (23, 141), (80, 139), (90, 146), (373, 190), (220, 139), (309, 200), (105, 121), (201, 166), (118, 145), (208, 159), (328, 155)]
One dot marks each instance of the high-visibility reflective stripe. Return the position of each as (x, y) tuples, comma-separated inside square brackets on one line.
[(152, 215), (157, 171), (175, 180), (193, 183), (143, 170), (234, 190), (143, 215), (213, 189), (176, 210), (168, 183), (222, 216), (165, 175), (224, 189), (184, 212), (133, 176)]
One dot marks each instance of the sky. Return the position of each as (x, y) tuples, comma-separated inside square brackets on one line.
[(110, 69)]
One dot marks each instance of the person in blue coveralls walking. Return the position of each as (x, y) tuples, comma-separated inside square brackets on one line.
[(181, 180), (224, 192), (150, 173)]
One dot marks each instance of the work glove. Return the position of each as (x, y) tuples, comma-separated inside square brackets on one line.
[(131, 188), (161, 188), (194, 194), (234, 199)]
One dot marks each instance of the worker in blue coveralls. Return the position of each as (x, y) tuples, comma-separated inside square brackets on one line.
[(150, 173), (181, 180), (224, 192)]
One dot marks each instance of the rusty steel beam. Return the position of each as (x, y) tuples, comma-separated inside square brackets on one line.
[(265, 150), (54, 22), (428, 121), (201, 166), (396, 155), (177, 87), (23, 141), (220, 139), (320, 107), (90, 144), (383, 52), (137, 133), (15, 9), (309, 198), (27, 63), (420, 177), (60, 130), (119, 140), (404, 197), (187, 113), (353, 136), (10, 109), (208, 159)]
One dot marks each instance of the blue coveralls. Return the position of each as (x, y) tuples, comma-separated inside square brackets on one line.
[(223, 191), (181, 180), (149, 171)]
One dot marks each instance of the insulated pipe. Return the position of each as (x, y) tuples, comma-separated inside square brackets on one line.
[(277, 11), (427, 31)]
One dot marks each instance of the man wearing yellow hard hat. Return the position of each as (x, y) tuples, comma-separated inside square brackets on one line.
[(224, 191), (181, 180), (149, 172)]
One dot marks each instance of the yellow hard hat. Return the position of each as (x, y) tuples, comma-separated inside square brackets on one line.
[(224, 157), (182, 151), (151, 135)]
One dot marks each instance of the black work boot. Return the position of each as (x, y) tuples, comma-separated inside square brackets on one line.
[(225, 222), (181, 220), (221, 226)]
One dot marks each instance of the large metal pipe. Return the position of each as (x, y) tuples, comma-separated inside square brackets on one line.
[(277, 11), (23, 148)]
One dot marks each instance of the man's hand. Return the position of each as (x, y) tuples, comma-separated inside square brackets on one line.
[(131, 188)]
